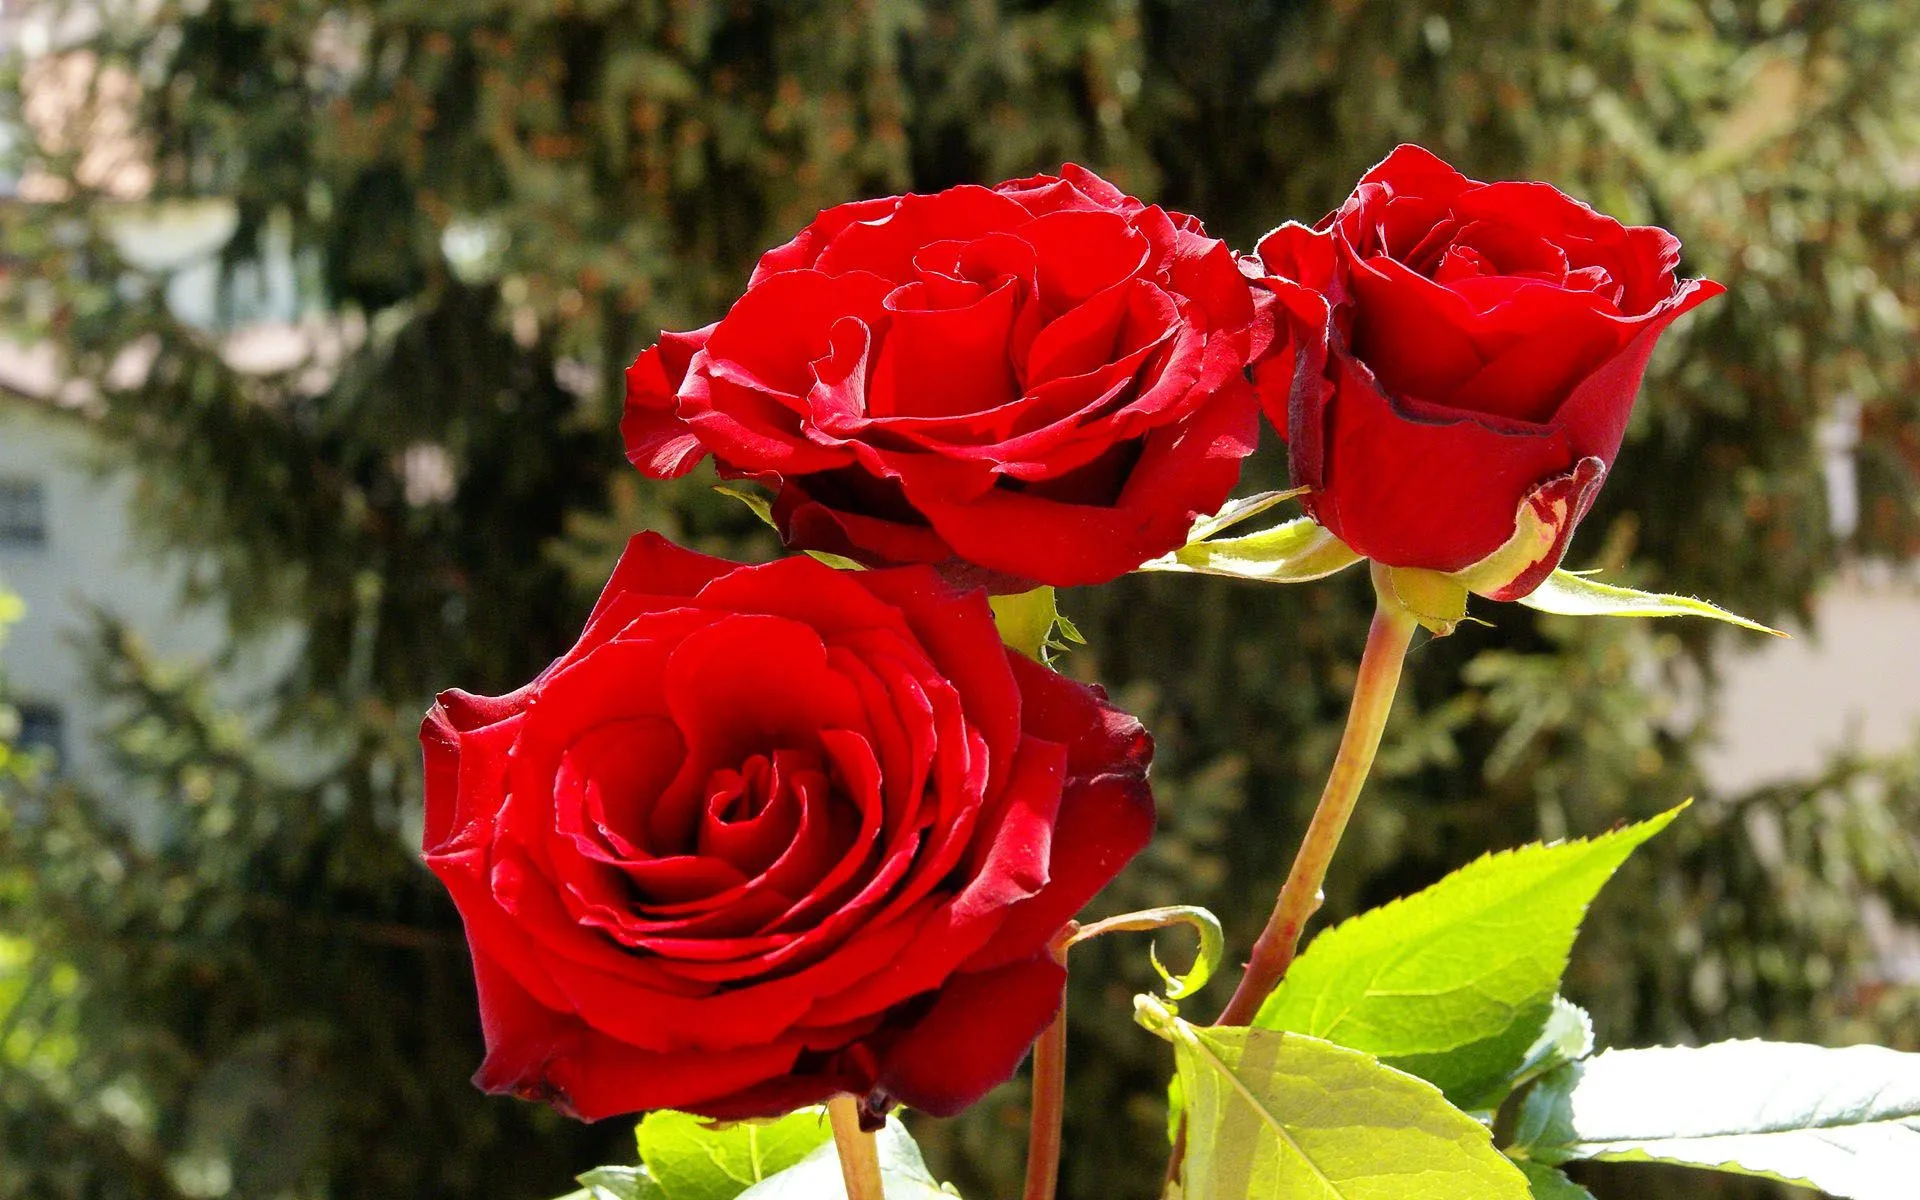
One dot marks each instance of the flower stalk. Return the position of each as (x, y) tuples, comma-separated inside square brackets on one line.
[(1373, 692), (1044, 1137), (859, 1153), (1049, 1106)]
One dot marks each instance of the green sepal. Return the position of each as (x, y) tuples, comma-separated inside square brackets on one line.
[(1031, 623), (1295, 551), (1566, 594), (1233, 512)]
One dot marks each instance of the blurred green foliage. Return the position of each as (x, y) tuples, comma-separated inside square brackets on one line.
[(493, 205)]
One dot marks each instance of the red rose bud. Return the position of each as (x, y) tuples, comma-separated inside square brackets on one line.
[(1038, 383), (1454, 362), (770, 833)]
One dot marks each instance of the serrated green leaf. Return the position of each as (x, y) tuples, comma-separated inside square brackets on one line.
[(903, 1173), (692, 1159), (1550, 1183), (1280, 1115), (1845, 1121), (1455, 983), (1294, 552), (1570, 595)]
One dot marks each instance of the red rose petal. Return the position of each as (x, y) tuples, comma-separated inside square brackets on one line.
[(1183, 471), (778, 327), (1423, 488), (974, 1037), (804, 250), (1411, 331), (885, 245), (1078, 254), (938, 362)]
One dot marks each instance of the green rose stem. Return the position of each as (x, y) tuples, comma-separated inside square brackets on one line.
[(859, 1156), (1049, 1093), (1379, 678)]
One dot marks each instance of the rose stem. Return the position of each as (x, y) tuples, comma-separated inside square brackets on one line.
[(1049, 1105), (859, 1156), (1373, 690)]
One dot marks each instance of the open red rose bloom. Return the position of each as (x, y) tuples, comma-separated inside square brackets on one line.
[(770, 833), (1042, 381), (1444, 351)]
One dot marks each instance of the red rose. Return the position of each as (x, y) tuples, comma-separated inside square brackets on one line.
[(771, 833), (1446, 351), (1044, 380)]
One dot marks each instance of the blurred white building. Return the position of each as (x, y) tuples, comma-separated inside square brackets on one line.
[(69, 547), (69, 538)]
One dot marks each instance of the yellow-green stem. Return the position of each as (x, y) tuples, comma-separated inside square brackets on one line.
[(1379, 678), (859, 1155)]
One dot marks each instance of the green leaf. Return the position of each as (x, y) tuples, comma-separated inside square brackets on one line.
[(903, 1173), (1213, 942), (1571, 595), (617, 1183), (691, 1159), (1845, 1121), (1567, 1037), (1294, 552), (1550, 1183), (1456, 983), (1273, 1115)]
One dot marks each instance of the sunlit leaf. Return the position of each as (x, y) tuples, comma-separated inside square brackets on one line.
[(1846, 1121), (1279, 1116), (1550, 1183), (691, 1158), (903, 1173), (1457, 982), (1570, 595)]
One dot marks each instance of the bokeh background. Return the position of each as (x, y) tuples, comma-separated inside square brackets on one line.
[(315, 315)]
